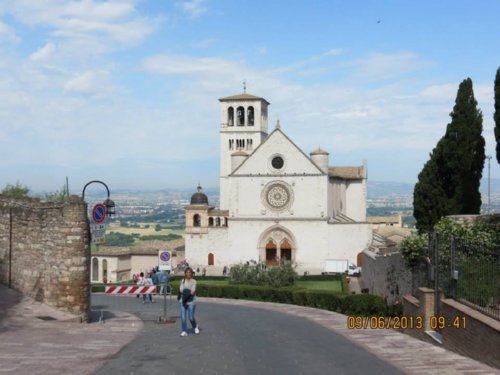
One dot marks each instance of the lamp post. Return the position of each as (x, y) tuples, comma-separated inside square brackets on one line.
[(489, 202), (108, 203)]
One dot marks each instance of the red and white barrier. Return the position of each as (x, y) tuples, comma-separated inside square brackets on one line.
[(130, 289)]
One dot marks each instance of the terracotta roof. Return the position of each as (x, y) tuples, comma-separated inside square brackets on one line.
[(218, 212), (346, 173), (382, 219), (142, 248), (243, 96)]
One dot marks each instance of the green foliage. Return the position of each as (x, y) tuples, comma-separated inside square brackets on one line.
[(412, 249), (119, 239), (281, 276), (58, 196), (157, 227), (17, 190), (449, 182), (496, 115), (429, 198), (363, 304), (161, 237)]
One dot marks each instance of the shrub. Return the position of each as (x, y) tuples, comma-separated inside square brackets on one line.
[(363, 304), (277, 277)]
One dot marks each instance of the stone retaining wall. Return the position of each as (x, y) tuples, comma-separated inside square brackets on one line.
[(44, 251)]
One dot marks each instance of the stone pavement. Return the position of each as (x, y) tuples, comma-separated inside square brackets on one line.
[(30, 345)]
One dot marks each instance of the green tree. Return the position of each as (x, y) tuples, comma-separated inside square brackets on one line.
[(496, 116), (429, 198), (460, 157), (449, 182), (17, 190)]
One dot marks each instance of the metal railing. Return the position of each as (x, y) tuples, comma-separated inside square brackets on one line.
[(465, 270)]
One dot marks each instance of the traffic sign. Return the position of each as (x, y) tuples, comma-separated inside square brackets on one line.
[(98, 232), (164, 260), (99, 213)]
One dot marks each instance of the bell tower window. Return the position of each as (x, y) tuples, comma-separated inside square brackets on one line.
[(230, 116), (196, 221), (250, 116), (240, 112)]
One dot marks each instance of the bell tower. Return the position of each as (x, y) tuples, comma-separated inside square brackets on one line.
[(243, 128)]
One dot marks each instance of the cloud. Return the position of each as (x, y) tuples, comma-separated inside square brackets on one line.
[(175, 64), (195, 8), (381, 66), (99, 25), (7, 34), (43, 52), (88, 82)]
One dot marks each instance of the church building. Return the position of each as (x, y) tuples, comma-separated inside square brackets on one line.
[(277, 203)]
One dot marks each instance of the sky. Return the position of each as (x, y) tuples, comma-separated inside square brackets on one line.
[(126, 91)]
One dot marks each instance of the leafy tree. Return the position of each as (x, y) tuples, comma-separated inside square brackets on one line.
[(17, 190), (449, 182), (157, 227), (496, 116)]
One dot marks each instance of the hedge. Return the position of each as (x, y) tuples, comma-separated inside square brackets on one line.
[(349, 304)]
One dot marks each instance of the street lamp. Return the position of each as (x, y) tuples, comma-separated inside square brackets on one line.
[(489, 202), (108, 203)]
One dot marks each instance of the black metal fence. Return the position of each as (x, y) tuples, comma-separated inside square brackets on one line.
[(465, 270)]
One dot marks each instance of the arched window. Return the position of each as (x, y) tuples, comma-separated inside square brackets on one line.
[(240, 113), (230, 116), (210, 221), (250, 116), (217, 221), (104, 271), (211, 260), (95, 269), (196, 221)]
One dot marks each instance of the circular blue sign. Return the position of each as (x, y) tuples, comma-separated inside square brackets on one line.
[(165, 256), (99, 213)]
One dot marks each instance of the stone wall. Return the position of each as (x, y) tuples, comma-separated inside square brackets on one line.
[(386, 276), (478, 339), (44, 251)]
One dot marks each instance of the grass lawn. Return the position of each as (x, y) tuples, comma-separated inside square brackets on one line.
[(333, 285), (115, 227)]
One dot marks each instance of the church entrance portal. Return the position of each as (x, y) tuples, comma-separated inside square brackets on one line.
[(277, 245)]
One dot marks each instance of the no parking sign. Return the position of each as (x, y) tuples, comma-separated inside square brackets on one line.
[(164, 260)]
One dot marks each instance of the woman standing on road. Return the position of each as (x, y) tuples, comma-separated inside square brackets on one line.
[(187, 297)]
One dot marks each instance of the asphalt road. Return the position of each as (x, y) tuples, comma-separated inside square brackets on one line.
[(242, 340)]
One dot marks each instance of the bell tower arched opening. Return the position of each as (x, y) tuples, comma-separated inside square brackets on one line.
[(240, 116)]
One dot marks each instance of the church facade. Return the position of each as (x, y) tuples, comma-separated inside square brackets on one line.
[(277, 203)]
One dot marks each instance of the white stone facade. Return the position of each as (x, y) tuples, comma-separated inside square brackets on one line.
[(277, 203)]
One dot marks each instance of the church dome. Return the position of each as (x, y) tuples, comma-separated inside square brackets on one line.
[(199, 197)]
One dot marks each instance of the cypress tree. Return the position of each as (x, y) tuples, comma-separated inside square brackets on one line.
[(496, 116), (429, 198), (449, 182), (460, 156)]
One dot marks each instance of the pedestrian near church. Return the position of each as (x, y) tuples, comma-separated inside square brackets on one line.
[(187, 299), (145, 281)]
